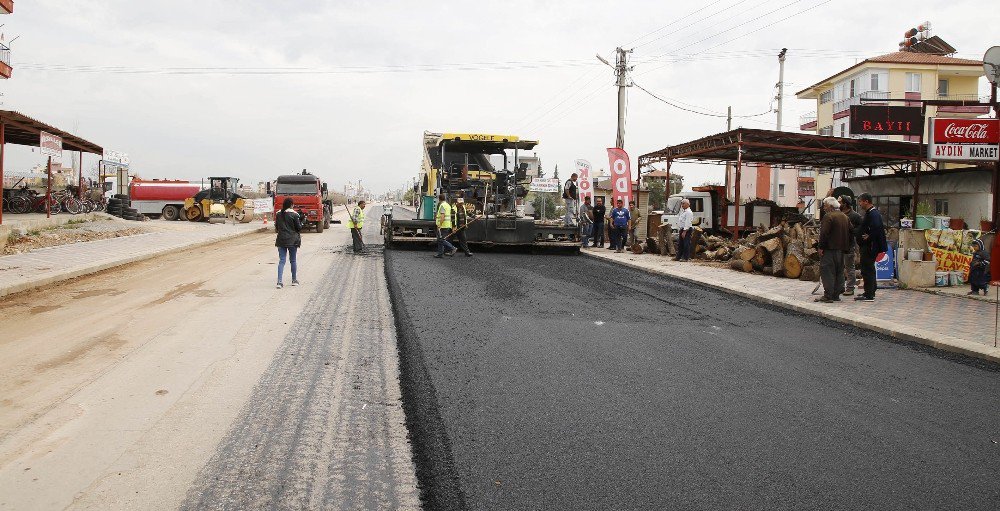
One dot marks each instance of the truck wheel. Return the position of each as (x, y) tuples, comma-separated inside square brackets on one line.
[(193, 214), (319, 227), (171, 213), (326, 221)]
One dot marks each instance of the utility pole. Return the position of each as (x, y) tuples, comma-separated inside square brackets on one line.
[(780, 98), (621, 73), (729, 166)]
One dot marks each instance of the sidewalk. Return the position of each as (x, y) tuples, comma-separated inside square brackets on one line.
[(950, 323), (21, 272)]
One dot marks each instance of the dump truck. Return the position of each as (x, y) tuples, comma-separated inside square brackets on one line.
[(467, 165), (310, 198)]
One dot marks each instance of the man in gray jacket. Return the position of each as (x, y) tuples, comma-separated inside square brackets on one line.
[(850, 257), (834, 240)]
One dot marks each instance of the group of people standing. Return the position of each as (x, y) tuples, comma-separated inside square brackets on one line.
[(848, 239), (591, 219)]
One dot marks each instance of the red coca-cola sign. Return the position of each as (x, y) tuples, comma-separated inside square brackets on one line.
[(966, 131)]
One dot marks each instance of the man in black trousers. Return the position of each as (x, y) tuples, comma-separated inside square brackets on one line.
[(872, 243), (599, 212)]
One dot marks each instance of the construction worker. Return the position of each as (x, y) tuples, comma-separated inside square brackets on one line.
[(461, 221), (443, 222), (355, 223)]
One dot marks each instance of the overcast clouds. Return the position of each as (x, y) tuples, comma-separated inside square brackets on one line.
[(351, 125)]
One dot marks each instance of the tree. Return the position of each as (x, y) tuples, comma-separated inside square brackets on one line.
[(538, 200), (555, 174), (656, 195), (676, 183)]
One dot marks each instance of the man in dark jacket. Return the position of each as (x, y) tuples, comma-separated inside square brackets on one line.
[(599, 213), (287, 225), (461, 222), (834, 240), (872, 243), (851, 256)]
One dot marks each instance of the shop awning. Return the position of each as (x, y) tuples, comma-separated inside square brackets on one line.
[(23, 130)]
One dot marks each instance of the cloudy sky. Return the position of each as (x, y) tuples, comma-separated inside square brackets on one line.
[(256, 88)]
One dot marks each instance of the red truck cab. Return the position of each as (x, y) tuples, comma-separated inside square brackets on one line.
[(308, 194)]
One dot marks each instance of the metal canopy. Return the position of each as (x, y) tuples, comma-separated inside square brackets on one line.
[(790, 149), (23, 130)]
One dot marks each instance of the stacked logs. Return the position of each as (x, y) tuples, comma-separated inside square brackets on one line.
[(785, 250)]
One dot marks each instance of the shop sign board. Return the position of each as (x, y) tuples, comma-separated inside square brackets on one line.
[(886, 120), (50, 145), (964, 139), (544, 185)]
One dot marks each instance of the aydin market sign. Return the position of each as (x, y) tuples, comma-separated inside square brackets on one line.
[(964, 139)]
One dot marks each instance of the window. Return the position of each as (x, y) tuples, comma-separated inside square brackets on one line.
[(697, 205), (912, 82), (853, 88), (826, 131), (941, 207), (781, 189), (874, 81), (826, 97), (943, 88), (843, 130)]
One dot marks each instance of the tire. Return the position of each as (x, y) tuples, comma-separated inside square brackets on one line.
[(326, 220), (73, 206), (20, 205), (121, 196), (319, 227), (171, 213), (193, 214)]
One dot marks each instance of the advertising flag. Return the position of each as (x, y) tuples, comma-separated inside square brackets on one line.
[(621, 176), (586, 183)]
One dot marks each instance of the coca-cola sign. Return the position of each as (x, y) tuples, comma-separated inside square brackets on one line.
[(964, 139)]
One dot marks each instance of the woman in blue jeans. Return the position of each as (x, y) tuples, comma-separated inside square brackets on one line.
[(288, 225)]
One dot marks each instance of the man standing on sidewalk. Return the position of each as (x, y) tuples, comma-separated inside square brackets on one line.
[(871, 241), (572, 195), (356, 222), (599, 213), (685, 224), (633, 224), (834, 239), (443, 222), (850, 257), (619, 225), (586, 222)]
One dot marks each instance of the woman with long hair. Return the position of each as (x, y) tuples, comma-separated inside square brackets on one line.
[(288, 225)]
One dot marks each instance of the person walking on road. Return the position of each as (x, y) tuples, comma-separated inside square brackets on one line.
[(572, 196), (461, 222), (443, 222), (851, 256), (685, 224), (619, 224), (872, 244), (288, 226), (355, 222), (586, 222), (834, 239), (600, 212)]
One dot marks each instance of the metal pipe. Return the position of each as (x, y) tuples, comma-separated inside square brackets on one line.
[(3, 146), (736, 192), (48, 189)]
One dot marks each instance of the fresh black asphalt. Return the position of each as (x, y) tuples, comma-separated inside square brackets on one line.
[(565, 382)]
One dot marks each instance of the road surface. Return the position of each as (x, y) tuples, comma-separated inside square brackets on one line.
[(535, 382), (189, 381)]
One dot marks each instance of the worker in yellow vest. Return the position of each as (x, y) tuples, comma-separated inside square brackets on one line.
[(356, 222), (443, 222)]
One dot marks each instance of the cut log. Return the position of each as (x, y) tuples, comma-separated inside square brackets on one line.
[(746, 253), (761, 259), (778, 261), (793, 266), (797, 232), (810, 273), (741, 265), (771, 245)]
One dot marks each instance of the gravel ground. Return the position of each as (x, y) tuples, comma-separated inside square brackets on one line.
[(69, 233), (544, 382)]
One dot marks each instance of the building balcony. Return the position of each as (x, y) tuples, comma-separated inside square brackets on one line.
[(842, 108), (6, 6), (5, 69), (970, 110), (807, 122)]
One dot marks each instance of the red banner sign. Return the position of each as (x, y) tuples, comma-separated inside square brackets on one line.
[(621, 176), (964, 139), (586, 183)]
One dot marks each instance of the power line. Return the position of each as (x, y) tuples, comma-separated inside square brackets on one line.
[(557, 105), (707, 114), (688, 15), (734, 27), (692, 24)]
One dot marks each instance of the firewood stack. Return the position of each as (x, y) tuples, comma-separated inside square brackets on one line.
[(785, 250)]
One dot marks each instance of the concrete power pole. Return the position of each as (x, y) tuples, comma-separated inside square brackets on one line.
[(779, 109), (621, 71), (729, 166)]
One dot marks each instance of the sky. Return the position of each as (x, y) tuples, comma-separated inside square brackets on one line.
[(256, 88)]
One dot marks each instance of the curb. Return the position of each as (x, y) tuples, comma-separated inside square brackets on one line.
[(79, 272), (940, 342)]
